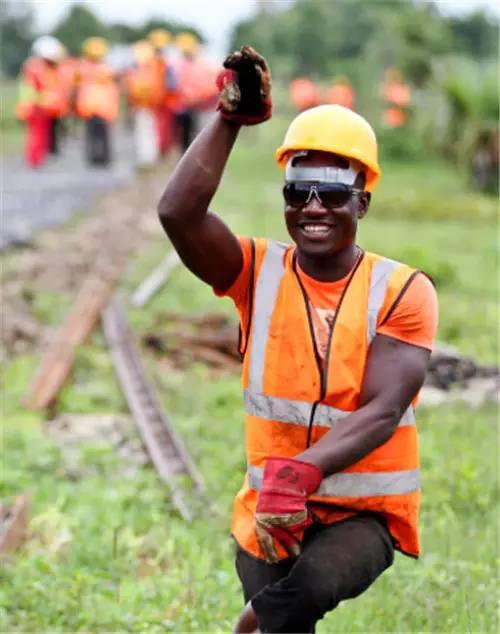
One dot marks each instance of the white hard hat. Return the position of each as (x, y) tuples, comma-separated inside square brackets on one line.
[(48, 47)]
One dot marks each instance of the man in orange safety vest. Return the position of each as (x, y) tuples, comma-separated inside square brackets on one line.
[(341, 93), (42, 98), (97, 101), (397, 99), (164, 114), (335, 344), (304, 93)]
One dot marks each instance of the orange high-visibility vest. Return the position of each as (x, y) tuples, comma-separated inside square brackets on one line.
[(192, 78), (341, 94), (40, 86), (98, 94), (288, 396), (398, 94), (145, 85), (304, 94), (398, 98)]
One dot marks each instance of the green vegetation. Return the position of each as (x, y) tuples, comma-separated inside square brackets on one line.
[(106, 552), (450, 63), (11, 129)]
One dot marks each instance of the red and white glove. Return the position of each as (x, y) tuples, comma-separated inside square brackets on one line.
[(245, 88), (281, 513)]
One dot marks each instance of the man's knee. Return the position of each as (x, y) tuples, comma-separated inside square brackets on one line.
[(296, 602)]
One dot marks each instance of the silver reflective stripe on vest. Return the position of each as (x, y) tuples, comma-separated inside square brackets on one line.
[(266, 292), (355, 484), (298, 412), (381, 272)]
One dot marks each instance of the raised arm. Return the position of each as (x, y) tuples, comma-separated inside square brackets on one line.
[(205, 244)]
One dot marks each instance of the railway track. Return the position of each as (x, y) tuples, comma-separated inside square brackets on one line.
[(167, 452)]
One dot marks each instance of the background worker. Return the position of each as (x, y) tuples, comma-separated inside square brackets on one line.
[(97, 101), (189, 80), (336, 343), (164, 116), (145, 91), (341, 93), (42, 99), (304, 94), (397, 98)]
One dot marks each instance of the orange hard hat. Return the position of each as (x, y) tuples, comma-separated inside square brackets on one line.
[(335, 129)]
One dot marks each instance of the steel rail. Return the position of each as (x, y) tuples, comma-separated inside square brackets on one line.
[(168, 454)]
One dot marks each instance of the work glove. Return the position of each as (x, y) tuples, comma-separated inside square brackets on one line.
[(281, 514), (245, 88)]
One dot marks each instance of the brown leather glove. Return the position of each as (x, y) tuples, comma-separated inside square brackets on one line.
[(245, 88)]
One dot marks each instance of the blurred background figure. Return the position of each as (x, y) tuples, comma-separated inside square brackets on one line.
[(42, 99), (97, 101), (397, 98), (189, 82), (68, 74), (164, 116), (485, 160), (304, 94), (341, 93), (145, 91)]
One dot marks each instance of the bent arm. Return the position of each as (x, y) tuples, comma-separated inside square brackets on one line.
[(204, 243), (394, 374)]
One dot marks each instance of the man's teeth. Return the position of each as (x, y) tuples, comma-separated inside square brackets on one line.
[(315, 228)]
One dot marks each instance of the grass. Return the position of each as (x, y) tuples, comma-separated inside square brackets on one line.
[(10, 128), (107, 553)]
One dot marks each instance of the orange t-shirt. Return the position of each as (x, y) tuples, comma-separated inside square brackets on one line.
[(414, 320)]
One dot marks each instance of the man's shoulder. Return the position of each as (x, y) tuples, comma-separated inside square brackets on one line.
[(264, 245)]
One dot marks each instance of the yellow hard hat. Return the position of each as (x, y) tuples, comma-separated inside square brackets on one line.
[(187, 42), (143, 51), (95, 47), (159, 38), (335, 129)]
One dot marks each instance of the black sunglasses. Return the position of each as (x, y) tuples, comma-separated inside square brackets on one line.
[(330, 195)]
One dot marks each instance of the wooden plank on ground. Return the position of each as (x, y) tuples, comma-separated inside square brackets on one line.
[(57, 361), (13, 524)]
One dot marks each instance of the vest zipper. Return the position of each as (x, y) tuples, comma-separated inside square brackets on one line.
[(323, 371)]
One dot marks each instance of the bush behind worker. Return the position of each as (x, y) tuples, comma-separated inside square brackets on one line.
[(335, 342)]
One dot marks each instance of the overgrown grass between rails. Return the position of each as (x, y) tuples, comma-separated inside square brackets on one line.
[(106, 551)]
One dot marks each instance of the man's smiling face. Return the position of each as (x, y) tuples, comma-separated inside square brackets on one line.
[(320, 231)]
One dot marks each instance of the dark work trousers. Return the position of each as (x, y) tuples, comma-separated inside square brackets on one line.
[(54, 134), (97, 141), (338, 561), (186, 126)]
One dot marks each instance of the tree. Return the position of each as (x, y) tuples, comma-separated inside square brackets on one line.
[(16, 35), (475, 34), (78, 24)]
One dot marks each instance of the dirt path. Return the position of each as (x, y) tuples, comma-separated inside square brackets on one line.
[(37, 199), (118, 224)]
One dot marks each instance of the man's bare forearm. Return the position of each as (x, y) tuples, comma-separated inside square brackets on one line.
[(352, 439), (197, 176)]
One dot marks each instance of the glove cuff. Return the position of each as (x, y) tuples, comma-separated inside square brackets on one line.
[(292, 474)]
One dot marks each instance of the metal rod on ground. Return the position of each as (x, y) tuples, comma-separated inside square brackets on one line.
[(155, 281), (166, 450)]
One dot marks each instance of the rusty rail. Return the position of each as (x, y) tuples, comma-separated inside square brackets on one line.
[(168, 454)]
